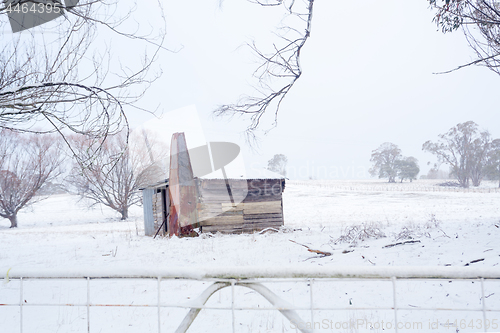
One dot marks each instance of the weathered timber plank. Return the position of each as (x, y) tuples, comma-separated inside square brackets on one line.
[(223, 196), (221, 183), (223, 190), (220, 224), (230, 230), (204, 206), (264, 220), (261, 198), (237, 219), (263, 182), (263, 215), (259, 223), (250, 205), (262, 224), (233, 212), (262, 207)]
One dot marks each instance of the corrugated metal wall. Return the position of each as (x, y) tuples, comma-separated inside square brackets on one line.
[(147, 198)]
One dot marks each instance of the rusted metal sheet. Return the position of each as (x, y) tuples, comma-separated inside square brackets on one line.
[(182, 187)]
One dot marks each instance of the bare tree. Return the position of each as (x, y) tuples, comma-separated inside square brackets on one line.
[(480, 22), (385, 159), (26, 164), (278, 164), (53, 80), (464, 149), (114, 177), (280, 67)]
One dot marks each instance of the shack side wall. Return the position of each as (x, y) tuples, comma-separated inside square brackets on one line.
[(147, 199), (261, 208)]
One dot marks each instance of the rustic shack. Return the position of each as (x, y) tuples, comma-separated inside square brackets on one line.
[(246, 203), (262, 207)]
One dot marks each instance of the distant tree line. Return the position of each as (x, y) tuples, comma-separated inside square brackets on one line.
[(388, 162), (471, 154)]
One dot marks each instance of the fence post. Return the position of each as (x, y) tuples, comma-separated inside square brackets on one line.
[(395, 304), (312, 302), (484, 305), (159, 317), (21, 296), (88, 304), (232, 305)]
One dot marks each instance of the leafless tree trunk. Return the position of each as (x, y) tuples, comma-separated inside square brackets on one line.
[(13, 221), (53, 80), (26, 164), (115, 176), (280, 68)]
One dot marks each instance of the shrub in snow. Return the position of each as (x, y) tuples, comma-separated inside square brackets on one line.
[(412, 230), (359, 233)]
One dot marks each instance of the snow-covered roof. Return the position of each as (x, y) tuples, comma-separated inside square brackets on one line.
[(259, 173)]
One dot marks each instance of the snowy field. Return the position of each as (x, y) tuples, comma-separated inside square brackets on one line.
[(354, 221)]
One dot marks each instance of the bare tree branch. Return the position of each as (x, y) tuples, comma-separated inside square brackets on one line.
[(59, 83), (281, 68), (480, 23)]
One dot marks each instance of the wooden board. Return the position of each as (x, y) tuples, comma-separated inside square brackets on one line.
[(217, 184), (223, 220), (261, 208), (265, 207), (241, 228)]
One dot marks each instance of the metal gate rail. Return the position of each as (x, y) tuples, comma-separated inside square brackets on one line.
[(253, 278)]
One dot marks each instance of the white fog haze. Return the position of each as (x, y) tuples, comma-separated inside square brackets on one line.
[(249, 166)]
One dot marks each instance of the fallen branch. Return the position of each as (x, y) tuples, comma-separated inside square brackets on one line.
[(401, 243), (443, 232), (368, 260), (474, 261), (322, 253)]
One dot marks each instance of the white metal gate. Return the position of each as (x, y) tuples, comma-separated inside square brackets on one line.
[(313, 298)]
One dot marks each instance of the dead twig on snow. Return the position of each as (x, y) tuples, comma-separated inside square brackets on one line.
[(321, 253), (401, 243)]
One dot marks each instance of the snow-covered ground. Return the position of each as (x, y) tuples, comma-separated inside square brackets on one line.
[(452, 227)]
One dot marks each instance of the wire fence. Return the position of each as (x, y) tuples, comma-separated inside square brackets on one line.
[(405, 187), (248, 299)]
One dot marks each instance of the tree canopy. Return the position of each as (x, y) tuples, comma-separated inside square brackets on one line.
[(480, 23), (278, 164), (465, 149)]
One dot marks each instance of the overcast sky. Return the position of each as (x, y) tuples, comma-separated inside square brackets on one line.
[(367, 79)]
